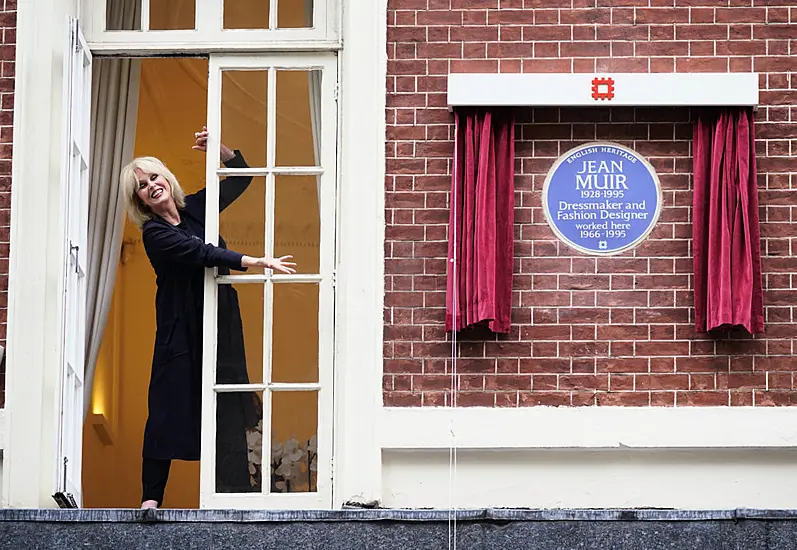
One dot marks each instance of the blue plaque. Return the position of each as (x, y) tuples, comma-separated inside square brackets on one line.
[(602, 198)]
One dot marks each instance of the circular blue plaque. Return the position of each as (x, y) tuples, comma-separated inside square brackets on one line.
[(602, 198)]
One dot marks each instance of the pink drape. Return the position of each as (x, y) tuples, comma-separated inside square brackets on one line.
[(725, 232), (481, 234)]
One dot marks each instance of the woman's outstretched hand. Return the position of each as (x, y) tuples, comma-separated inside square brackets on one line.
[(280, 264), (201, 139)]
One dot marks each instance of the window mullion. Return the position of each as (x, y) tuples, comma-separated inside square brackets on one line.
[(210, 318), (272, 14), (326, 321), (209, 17), (144, 15), (268, 294)]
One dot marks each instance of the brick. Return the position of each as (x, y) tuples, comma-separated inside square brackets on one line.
[(662, 382), (623, 399), (544, 382), (661, 15), (774, 31), (510, 17), (545, 398), (701, 398), (584, 382), (401, 399), (622, 365), (507, 382), (585, 49), (544, 366)]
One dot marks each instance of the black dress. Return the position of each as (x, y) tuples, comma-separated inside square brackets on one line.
[(179, 256)]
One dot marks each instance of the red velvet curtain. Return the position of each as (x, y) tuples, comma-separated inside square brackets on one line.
[(480, 231), (725, 232)]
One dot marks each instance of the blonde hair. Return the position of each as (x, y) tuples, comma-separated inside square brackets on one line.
[(139, 212)]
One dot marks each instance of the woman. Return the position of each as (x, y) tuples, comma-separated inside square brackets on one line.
[(173, 227)]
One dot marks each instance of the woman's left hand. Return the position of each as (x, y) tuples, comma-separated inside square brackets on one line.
[(201, 138), (281, 264)]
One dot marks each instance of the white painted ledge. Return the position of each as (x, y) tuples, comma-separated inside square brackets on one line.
[(2, 431), (589, 428), (629, 89)]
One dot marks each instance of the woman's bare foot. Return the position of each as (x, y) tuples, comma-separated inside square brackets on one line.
[(149, 504)]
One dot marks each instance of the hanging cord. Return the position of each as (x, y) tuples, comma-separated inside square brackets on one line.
[(452, 451)]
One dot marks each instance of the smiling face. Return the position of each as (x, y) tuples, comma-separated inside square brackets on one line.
[(153, 190)]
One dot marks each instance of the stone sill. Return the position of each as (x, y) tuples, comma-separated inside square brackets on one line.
[(374, 515)]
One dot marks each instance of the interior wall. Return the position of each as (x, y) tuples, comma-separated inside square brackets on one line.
[(172, 106)]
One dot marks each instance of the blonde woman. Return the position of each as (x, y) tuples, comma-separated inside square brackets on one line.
[(173, 228)]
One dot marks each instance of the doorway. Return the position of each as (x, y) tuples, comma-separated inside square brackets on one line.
[(172, 105)]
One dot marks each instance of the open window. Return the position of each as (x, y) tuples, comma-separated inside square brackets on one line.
[(289, 337), (281, 112)]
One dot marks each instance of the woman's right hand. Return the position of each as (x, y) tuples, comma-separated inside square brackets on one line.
[(280, 264)]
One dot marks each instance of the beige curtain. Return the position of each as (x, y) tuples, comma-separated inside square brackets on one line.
[(315, 102), (114, 107)]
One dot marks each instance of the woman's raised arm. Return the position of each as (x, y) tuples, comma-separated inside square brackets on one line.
[(231, 187)]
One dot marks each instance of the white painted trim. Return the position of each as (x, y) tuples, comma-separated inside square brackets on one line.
[(707, 479), (589, 428), (144, 14), (265, 277), (36, 264), (360, 260), (3, 430), (207, 465), (630, 89), (208, 22), (132, 48), (278, 170)]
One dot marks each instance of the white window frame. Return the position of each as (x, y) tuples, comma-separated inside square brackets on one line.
[(32, 391), (327, 175), (208, 34)]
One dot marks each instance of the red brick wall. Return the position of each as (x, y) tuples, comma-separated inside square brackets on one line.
[(8, 41), (586, 331)]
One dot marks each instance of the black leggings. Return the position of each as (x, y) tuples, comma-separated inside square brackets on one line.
[(154, 474)]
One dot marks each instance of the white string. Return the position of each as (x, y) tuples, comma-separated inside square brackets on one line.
[(452, 451)]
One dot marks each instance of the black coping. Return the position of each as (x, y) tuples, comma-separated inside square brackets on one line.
[(383, 529)]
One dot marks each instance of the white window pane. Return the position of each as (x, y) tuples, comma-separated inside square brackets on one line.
[(123, 15), (294, 442), (242, 223), (239, 336), (239, 456), (294, 348), (297, 225), (244, 113), (246, 14), (294, 14), (298, 118), (171, 15)]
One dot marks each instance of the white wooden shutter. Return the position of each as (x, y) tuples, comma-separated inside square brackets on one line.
[(76, 188)]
